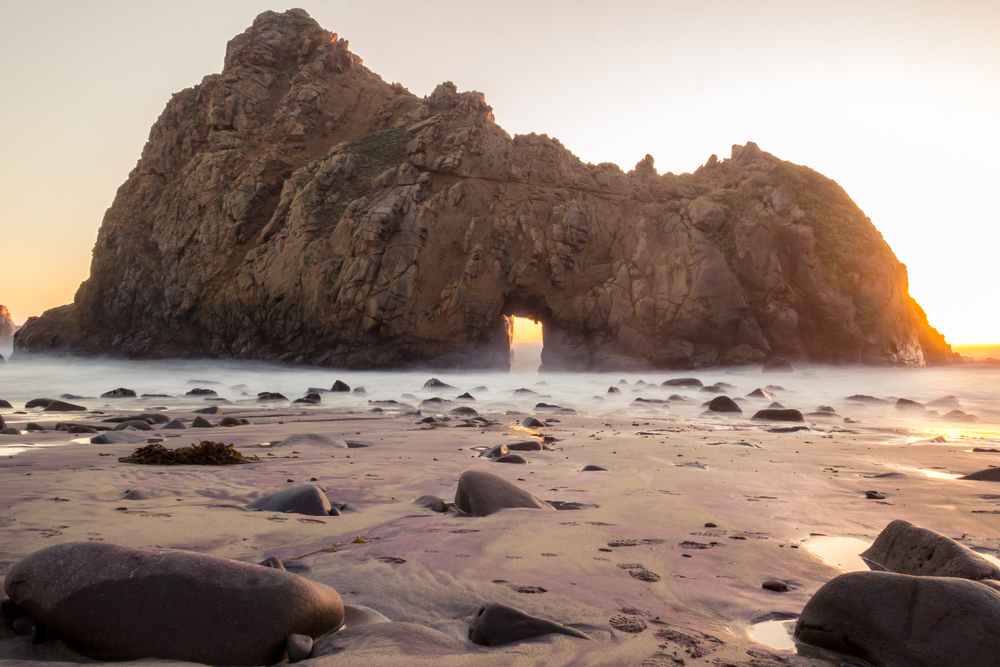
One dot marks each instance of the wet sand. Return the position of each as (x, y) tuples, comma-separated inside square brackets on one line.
[(637, 568)]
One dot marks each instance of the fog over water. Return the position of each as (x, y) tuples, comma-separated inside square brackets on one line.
[(976, 389)]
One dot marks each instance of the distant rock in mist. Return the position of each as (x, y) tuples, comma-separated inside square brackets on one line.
[(296, 207), (7, 327)]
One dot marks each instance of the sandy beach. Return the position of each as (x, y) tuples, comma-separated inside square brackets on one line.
[(660, 561)]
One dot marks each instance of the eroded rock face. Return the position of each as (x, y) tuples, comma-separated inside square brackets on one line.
[(296, 207)]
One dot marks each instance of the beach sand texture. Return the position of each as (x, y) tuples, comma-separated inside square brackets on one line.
[(662, 564)]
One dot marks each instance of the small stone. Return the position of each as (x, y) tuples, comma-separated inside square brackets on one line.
[(531, 422), (776, 585), (874, 495), (273, 561), (299, 647)]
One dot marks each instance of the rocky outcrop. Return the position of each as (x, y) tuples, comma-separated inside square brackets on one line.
[(7, 327), (296, 207)]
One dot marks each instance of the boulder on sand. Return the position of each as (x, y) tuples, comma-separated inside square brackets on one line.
[(111, 602), (482, 493), (496, 624), (898, 620), (778, 415), (904, 548), (305, 499), (723, 404)]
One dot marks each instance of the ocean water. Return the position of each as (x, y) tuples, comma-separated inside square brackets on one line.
[(976, 390)]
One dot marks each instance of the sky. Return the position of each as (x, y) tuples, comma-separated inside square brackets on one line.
[(897, 101)]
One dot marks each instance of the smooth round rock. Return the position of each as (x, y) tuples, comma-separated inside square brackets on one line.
[(305, 499), (432, 503), (136, 494), (201, 422), (175, 424), (683, 382), (120, 392), (779, 415), (63, 406), (985, 475), (724, 404), (111, 602), (531, 422), (230, 421), (776, 585), (340, 386), (510, 458), (497, 624), (898, 620), (136, 424), (482, 493), (593, 468), (904, 548)]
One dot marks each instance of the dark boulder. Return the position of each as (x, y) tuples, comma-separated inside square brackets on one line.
[(306, 499), (777, 365), (340, 386), (904, 548), (511, 458), (724, 404), (985, 475), (779, 415), (482, 493), (311, 398), (434, 383), (907, 404), (683, 382), (62, 406), (497, 624), (120, 392), (898, 620), (270, 397), (116, 603), (199, 391), (432, 503)]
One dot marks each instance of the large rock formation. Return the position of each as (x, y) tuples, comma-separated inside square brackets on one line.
[(7, 327), (296, 207)]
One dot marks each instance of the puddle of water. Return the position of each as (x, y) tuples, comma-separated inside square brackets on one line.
[(18, 447), (935, 474), (777, 634), (839, 552)]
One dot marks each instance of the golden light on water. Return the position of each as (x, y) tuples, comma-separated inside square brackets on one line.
[(527, 331)]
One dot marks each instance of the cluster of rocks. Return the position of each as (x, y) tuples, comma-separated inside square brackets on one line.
[(337, 219), (933, 602)]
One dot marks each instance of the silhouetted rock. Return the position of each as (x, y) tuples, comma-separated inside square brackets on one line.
[(907, 404), (62, 406), (340, 386), (120, 392), (724, 404)]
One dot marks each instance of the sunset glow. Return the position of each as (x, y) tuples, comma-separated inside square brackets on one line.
[(898, 107), (527, 331)]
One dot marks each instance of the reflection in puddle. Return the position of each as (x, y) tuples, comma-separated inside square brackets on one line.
[(777, 634), (18, 447), (839, 552), (936, 474)]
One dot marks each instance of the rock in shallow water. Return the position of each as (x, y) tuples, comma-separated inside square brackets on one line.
[(897, 620), (111, 602), (496, 624), (482, 493), (724, 404)]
